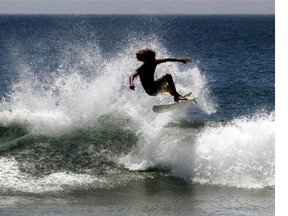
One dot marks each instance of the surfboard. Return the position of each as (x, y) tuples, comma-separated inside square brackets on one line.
[(173, 105)]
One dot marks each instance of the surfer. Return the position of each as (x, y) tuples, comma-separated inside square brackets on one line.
[(146, 73)]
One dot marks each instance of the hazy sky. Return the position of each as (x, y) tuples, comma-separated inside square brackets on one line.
[(137, 6)]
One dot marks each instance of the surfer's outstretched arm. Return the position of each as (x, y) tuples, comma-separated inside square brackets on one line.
[(131, 80), (184, 60)]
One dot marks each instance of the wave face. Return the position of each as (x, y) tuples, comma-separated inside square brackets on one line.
[(73, 123)]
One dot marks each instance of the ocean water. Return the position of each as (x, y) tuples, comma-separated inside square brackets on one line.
[(75, 140)]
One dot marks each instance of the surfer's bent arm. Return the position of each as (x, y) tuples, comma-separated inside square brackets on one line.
[(131, 80), (183, 60)]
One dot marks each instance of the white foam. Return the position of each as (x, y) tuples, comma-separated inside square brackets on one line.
[(12, 179), (239, 153)]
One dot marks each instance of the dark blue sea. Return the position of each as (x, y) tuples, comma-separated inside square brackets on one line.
[(75, 140)]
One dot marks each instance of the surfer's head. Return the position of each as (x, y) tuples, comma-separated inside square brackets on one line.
[(145, 55)]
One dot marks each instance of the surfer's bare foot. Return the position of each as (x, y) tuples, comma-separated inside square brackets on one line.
[(180, 97), (187, 95)]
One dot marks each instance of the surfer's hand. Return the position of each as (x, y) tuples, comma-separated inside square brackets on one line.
[(132, 87), (186, 60)]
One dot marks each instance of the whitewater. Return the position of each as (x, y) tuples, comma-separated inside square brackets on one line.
[(94, 96)]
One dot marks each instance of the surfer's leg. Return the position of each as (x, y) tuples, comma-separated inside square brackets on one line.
[(171, 86), (172, 89), (166, 84)]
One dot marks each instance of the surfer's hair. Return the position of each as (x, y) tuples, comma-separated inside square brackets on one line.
[(145, 55)]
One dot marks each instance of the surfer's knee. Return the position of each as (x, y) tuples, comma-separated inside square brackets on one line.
[(152, 94)]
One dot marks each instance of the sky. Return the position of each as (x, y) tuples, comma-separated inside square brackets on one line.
[(137, 7)]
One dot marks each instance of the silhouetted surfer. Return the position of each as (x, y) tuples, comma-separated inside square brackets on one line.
[(147, 71)]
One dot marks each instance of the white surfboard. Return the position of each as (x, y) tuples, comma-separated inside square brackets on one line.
[(173, 105)]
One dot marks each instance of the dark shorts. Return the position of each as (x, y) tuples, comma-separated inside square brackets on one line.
[(159, 86)]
